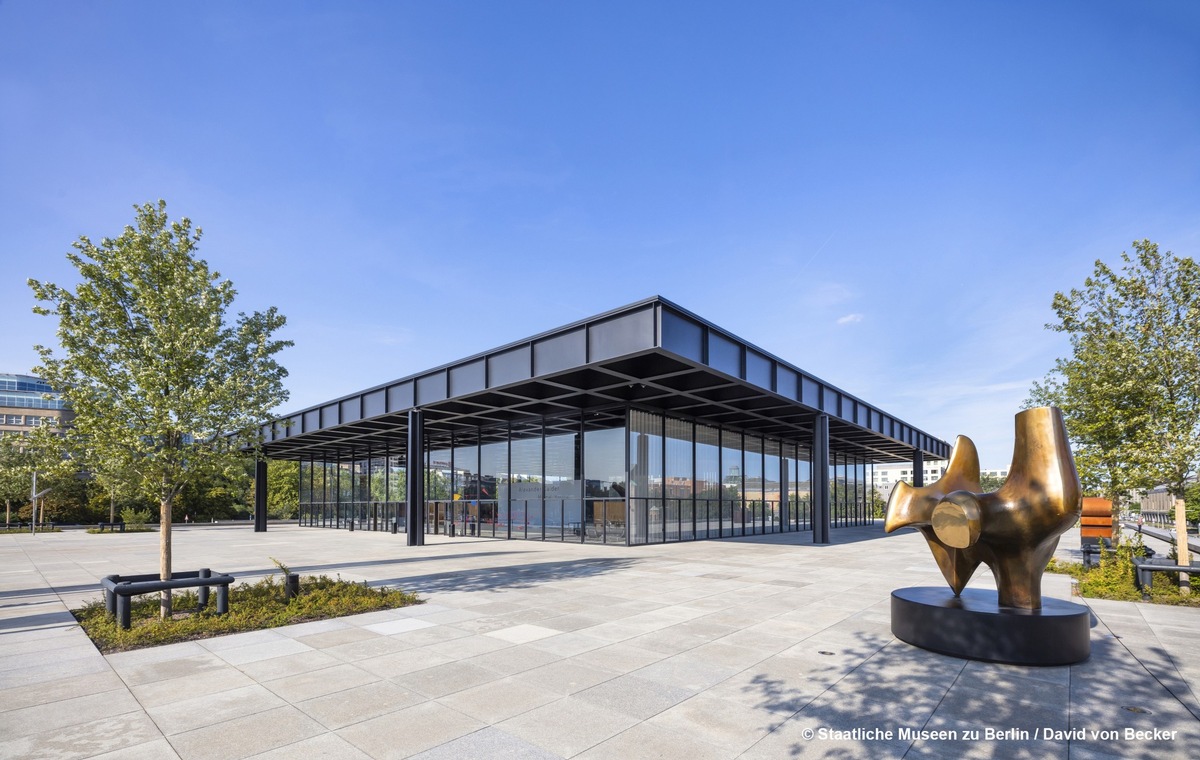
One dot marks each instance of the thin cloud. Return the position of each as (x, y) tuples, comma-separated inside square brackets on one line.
[(850, 319)]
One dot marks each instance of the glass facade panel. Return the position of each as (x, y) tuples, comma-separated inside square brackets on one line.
[(708, 482), (439, 487), (645, 477), (397, 485), (493, 478), (564, 483), (604, 481), (466, 472), (731, 484), (439, 475), (772, 486), (525, 487), (801, 489), (753, 511), (679, 485), (612, 476)]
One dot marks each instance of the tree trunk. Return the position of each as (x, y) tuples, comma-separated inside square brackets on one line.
[(7, 512), (1181, 545), (112, 507), (164, 556)]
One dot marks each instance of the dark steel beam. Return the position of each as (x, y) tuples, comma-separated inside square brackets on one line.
[(820, 480), (260, 496), (415, 480)]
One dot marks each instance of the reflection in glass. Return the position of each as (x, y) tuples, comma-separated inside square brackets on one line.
[(588, 478), (493, 479), (564, 484), (645, 476), (753, 496), (708, 482), (525, 489), (679, 482), (772, 487), (731, 484), (604, 480)]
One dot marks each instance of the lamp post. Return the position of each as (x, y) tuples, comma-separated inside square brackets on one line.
[(34, 495)]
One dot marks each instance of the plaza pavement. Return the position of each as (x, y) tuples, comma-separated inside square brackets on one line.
[(738, 648)]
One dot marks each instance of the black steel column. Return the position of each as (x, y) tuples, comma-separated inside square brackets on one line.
[(785, 476), (918, 475), (415, 482), (820, 480), (260, 496)]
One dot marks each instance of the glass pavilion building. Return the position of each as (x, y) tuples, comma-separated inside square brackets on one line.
[(645, 424)]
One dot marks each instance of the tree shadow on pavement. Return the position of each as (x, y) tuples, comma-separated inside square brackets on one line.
[(508, 576), (876, 696)]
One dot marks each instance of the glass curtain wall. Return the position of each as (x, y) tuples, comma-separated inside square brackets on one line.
[(732, 521), (645, 477), (849, 484), (525, 485), (772, 486), (439, 485), (605, 485), (493, 480), (754, 512), (607, 477), (679, 485), (708, 482), (563, 479), (799, 486)]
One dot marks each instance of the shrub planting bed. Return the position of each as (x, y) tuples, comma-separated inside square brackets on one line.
[(252, 606)]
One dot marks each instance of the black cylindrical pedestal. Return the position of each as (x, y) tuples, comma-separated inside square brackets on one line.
[(974, 626)]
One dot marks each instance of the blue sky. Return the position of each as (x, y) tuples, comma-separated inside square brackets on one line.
[(885, 194)]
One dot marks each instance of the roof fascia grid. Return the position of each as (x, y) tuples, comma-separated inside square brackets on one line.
[(652, 326)]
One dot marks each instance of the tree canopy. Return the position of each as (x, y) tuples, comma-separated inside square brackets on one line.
[(165, 390), (1130, 390)]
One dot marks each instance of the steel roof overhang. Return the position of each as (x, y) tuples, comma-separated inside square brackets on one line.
[(653, 354)]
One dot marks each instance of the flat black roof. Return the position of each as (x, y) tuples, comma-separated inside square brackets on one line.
[(653, 353)]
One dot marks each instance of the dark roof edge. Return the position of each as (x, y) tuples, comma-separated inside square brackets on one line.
[(640, 304), (489, 351), (769, 355)]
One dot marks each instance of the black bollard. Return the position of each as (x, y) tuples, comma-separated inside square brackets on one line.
[(202, 592)]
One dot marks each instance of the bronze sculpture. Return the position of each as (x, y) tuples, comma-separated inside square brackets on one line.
[(1014, 530)]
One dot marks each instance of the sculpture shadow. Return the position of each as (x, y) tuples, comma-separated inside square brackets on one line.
[(983, 710)]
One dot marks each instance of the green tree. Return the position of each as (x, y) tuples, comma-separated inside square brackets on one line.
[(1130, 390), (990, 483), (218, 495), (157, 378), (1192, 500), (283, 489), (105, 469), (42, 450), (14, 475)]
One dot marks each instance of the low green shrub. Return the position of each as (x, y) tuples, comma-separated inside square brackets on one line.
[(11, 531), (128, 529), (135, 518), (252, 606), (1113, 577)]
